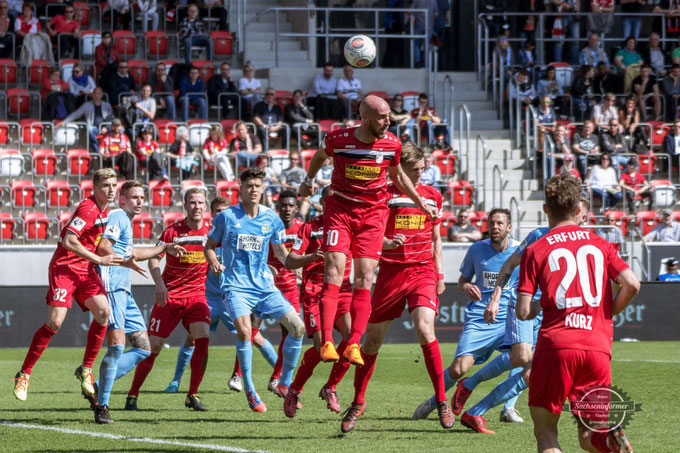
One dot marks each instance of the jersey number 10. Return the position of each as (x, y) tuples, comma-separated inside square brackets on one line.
[(580, 265)]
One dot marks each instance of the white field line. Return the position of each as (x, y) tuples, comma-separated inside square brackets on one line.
[(146, 440), (649, 361)]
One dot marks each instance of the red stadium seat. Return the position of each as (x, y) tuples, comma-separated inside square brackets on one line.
[(142, 226), (659, 131), (37, 71), (447, 219), (461, 193), (646, 163), (86, 189), (5, 133), (621, 220), (306, 156), (36, 226), (222, 43), (283, 98), (326, 125), (229, 190), (479, 219), (126, 43), (18, 102), (160, 193), (78, 162), (380, 94), (44, 162), (8, 72), (646, 221), (228, 129), (7, 225), (63, 220), (23, 194), (445, 161), (139, 71), (166, 131), (156, 44), (170, 218), (206, 69), (58, 194), (32, 131), (83, 11)]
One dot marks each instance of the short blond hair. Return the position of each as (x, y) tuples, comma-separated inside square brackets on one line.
[(411, 154), (102, 175)]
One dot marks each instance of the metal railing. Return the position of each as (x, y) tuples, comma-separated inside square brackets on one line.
[(501, 186), (464, 120), (448, 104), (548, 157), (479, 140), (530, 136), (645, 268), (516, 217)]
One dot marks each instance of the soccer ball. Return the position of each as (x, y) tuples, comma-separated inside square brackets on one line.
[(360, 51)]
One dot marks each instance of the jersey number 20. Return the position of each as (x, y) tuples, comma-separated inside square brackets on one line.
[(578, 265)]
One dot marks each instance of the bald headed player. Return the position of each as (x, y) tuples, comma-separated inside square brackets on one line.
[(356, 215)]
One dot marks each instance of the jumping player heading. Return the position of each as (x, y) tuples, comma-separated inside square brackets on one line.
[(356, 214)]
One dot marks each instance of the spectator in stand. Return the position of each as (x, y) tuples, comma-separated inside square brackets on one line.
[(57, 101), (6, 28), (298, 116), (186, 157), (64, 29), (271, 180), (603, 183), (268, 117), (585, 145), (146, 105), (671, 145), (249, 88), (95, 112), (322, 97), (120, 82), (629, 115), (526, 58), (463, 230), (432, 175), (216, 9), (655, 56), (506, 55), (191, 93), (422, 24), (550, 86), (121, 13), (323, 178), (81, 84), (613, 142), (583, 85), (632, 22), (601, 18), (220, 84), (244, 145), (52, 83), (148, 10), (645, 88), (399, 116), (115, 151), (161, 82), (592, 54), (106, 58), (611, 234), (671, 274), (216, 153), (25, 24), (606, 81), (605, 111), (149, 156), (561, 140), (671, 90), (666, 231), (349, 90), (569, 26), (635, 185), (15, 9), (495, 23), (568, 167), (670, 9), (521, 88), (627, 55), (192, 33), (292, 177), (546, 119), (528, 23), (426, 117)]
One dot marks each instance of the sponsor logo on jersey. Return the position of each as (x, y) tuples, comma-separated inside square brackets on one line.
[(77, 223), (265, 229), (250, 243), (361, 172), (409, 222), (379, 158), (490, 280), (192, 257), (112, 231), (350, 146), (298, 244), (96, 241)]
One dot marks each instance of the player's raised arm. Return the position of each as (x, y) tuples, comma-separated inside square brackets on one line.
[(209, 251), (315, 165), (145, 253), (630, 286), (73, 245), (472, 291), (504, 275), (405, 186)]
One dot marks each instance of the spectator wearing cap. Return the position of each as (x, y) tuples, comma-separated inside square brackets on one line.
[(568, 167), (612, 233), (666, 231), (634, 184), (463, 230), (116, 151), (671, 144), (671, 274)]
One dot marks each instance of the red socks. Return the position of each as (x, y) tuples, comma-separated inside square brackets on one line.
[(339, 368), (40, 341), (141, 372), (95, 337), (433, 363), (328, 307), (361, 377), (360, 311), (310, 360), (599, 441), (199, 361), (278, 366)]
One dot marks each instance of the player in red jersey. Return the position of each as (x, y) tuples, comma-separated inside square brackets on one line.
[(356, 214), (180, 296), (411, 272), (73, 275), (307, 253), (573, 268)]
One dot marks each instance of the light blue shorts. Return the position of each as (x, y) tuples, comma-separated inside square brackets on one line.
[(517, 331), (218, 312), (125, 314), (478, 338), (265, 305)]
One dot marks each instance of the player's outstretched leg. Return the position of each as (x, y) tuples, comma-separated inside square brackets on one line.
[(184, 355), (141, 372), (265, 347), (362, 375), (41, 339), (433, 362)]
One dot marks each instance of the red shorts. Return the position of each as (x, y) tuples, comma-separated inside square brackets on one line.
[(65, 284), (355, 228), (399, 284), (558, 374), (293, 296), (163, 320), (311, 298)]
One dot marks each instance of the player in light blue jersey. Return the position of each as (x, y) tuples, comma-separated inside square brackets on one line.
[(479, 272), (125, 318), (520, 338), (245, 232)]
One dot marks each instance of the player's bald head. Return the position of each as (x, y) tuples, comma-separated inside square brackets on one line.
[(372, 105)]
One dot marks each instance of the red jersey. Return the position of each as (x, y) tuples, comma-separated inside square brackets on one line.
[(185, 277), (573, 267), (405, 218), (61, 25), (111, 145), (359, 169), (633, 180), (285, 279), (144, 150), (212, 147), (309, 240), (88, 223)]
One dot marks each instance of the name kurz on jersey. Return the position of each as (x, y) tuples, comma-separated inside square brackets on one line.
[(578, 321)]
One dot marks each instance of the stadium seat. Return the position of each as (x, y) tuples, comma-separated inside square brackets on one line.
[(78, 162), (36, 226), (139, 70), (58, 194), (157, 44), (36, 72), (646, 163), (160, 193), (32, 131), (283, 98), (11, 163), (89, 40), (7, 226), (306, 156), (381, 94), (229, 190), (67, 135), (23, 194), (126, 43), (63, 220), (228, 128), (663, 193), (206, 69), (142, 226), (410, 100), (83, 10), (18, 102), (326, 125), (6, 131), (447, 219), (461, 193), (222, 43), (199, 132), (8, 72), (86, 188), (66, 68), (278, 160), (646, 221), (44, 162), (445, 160), (478, 219), (170, 218), (166, 131)]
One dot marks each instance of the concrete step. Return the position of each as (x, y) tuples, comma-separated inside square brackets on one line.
[(459, 77), (293, 55), (462, 96), (289, 45), (289, 64), (260, 30)]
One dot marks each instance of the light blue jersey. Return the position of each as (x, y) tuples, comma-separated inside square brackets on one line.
[(119, 231), (532, 237)]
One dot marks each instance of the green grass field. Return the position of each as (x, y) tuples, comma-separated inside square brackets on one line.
[(648, 372)]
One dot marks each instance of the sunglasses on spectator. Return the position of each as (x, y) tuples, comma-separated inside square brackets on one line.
[(269, 94), (398, 99), (611, 220), (69, 11), (123, 67), (546, 102)]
